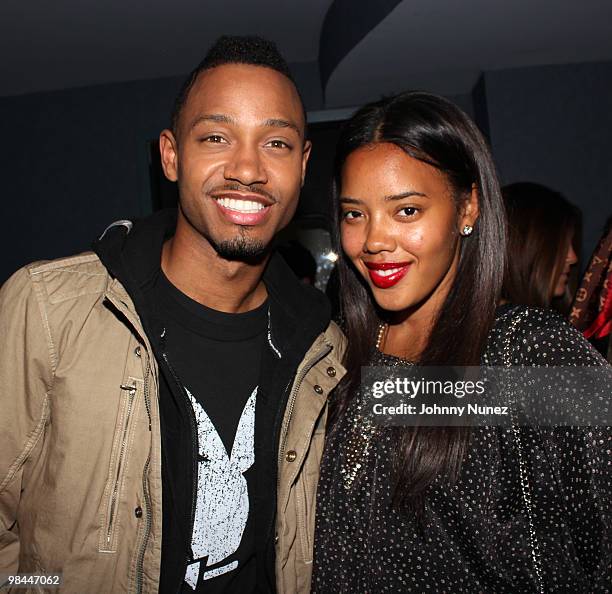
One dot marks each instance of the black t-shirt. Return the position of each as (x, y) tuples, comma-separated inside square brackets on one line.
[(216, 357)]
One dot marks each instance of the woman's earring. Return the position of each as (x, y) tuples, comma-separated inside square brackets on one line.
[(467, 230)]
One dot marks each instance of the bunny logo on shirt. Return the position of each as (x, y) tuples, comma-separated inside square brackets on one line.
[(222, 506)]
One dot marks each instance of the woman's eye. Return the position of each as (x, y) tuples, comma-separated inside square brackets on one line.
[(408, 211), (351, 214)]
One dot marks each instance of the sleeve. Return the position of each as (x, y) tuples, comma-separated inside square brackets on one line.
[(26, 359), (578, 448)]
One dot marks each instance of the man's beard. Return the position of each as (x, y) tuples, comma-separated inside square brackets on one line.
[(240, 248)]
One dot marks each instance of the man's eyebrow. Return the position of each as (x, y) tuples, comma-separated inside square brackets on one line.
[(219, 118), (280, 123)]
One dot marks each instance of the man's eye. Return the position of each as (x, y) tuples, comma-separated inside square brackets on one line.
[(214, 138), (408, 211), (278, 144)]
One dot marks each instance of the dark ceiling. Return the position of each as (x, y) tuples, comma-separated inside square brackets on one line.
[(441, 45), (71, 43)]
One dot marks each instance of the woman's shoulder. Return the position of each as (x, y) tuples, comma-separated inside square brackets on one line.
[(526, 318), (537, 336)]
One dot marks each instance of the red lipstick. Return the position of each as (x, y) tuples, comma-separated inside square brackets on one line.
[(386, 274)]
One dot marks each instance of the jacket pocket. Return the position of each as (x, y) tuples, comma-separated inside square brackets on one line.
[(303, 520), (130, 394)]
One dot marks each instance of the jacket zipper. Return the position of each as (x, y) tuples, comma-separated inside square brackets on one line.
[(285, 426), (147, 399), (292, 398), (115, 492), (194, 447), (141, 554), (145, 490)]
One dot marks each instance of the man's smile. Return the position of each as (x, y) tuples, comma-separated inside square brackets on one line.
[(240, 209)]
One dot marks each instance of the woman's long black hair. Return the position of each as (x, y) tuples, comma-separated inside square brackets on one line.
[(434, 131)]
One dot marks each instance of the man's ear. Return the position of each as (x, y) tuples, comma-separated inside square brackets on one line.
[(168, 149), (305, 156), (470, 209)]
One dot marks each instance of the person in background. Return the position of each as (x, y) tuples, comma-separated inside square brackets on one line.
[(449, 508), (591, 311), (542, 228)]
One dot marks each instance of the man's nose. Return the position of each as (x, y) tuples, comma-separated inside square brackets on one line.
[(246, 166), (378, 238)]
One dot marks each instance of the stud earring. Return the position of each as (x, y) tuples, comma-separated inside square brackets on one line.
[(467, 230)]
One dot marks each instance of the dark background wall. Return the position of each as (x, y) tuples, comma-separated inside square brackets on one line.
[(72, 162), (552, 125), (75, 160)]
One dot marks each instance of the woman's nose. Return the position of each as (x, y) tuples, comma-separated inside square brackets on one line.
[(378, 238)]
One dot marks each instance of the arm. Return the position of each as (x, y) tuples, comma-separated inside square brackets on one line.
[(26, 360)]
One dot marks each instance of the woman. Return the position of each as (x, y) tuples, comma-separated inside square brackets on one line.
[(445, 509), (541, 233)]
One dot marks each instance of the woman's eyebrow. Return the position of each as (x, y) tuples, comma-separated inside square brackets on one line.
[(349, 200), (407, 194)]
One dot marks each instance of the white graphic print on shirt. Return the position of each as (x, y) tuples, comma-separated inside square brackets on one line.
[(222, 506)]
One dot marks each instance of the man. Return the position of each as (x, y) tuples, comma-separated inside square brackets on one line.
[(163, 399)]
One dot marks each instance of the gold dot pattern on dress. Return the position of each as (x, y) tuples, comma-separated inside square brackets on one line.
[(475, 535)]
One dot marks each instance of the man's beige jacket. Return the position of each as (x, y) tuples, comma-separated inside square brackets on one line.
[(80, 459)]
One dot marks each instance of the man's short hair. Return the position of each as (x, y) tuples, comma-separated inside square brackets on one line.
[(233, 50)]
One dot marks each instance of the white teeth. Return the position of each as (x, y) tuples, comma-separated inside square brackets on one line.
[(387, 272), (245, 206)]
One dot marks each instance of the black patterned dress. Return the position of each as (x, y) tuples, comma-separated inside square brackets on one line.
[(475, 535)]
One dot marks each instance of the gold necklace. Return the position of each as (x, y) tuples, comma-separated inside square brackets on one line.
[(382, 328)]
